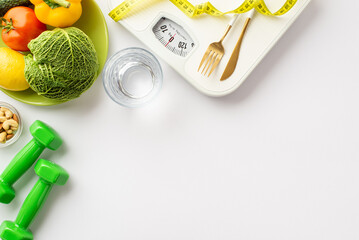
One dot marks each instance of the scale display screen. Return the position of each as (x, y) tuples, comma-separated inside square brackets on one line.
[(173, 37)]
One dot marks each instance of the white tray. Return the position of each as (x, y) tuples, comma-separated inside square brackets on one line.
[(260, 37)]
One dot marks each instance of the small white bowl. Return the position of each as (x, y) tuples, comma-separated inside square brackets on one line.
[(17, 133)]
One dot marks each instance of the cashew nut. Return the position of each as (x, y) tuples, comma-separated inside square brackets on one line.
[(4, 111), (10, 123), (8, 114), (3, 119), (3, 137)]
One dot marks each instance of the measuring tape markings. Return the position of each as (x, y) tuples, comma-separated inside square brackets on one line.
[(190, 10), (262, 8), (208, 8), (121, 10)]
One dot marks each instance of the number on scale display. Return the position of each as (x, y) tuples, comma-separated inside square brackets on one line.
[(173, 37)]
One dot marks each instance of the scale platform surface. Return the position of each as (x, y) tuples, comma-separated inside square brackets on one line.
[(155, 22)]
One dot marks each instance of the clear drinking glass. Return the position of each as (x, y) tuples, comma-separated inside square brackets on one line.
[(132, 77)]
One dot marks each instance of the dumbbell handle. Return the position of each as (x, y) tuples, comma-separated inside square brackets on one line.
[(33, 203), (22, 162)]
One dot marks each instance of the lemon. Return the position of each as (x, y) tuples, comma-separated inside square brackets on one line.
[(12, 65)]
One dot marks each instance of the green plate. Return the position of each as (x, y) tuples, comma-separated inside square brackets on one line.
[(93, 23)]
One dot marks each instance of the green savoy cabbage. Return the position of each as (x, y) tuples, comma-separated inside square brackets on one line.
[(62, 65)]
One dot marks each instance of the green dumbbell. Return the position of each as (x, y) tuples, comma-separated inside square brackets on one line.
[(49, 174), (44, 137)]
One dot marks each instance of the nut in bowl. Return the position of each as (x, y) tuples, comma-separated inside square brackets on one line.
[(10, 124)]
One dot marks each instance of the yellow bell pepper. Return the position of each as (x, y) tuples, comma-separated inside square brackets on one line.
[(58, 13)]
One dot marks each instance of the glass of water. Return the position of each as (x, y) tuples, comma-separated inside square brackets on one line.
[(132, 77)]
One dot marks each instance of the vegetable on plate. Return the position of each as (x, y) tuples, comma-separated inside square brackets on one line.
[(6, 5), (12, 76), (19, 27), (58, 13), (62, 65)]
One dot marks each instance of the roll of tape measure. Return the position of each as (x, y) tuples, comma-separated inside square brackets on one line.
[(190, 10)]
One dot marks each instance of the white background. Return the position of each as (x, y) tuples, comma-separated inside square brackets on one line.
[(277, 159)]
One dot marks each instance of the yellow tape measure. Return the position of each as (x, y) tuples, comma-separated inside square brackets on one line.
[(190, 10)]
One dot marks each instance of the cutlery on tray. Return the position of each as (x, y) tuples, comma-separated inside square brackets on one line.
[(215, 52), (232, 63)]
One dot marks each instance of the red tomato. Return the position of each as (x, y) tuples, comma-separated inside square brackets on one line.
[(20, 26)]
